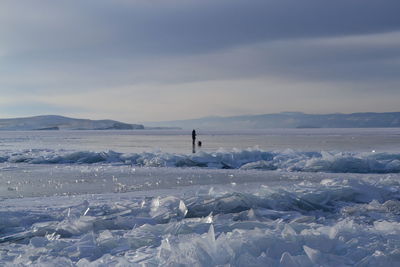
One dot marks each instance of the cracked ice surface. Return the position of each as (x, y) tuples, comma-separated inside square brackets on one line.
[(99, 215)]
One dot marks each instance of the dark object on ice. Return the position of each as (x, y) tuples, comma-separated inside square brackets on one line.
[(194, 141), (199, 143), (194, 136)]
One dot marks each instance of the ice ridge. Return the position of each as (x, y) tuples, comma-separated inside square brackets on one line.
[(288, 160)]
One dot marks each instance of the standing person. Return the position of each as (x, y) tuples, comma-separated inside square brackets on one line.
[(193, 141), (194, 136)]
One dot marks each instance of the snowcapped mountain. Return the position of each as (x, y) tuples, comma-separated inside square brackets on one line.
[(54, 122), (290, 120)]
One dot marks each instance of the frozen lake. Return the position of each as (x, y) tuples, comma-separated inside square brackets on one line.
[(297, 197), (179, 141)]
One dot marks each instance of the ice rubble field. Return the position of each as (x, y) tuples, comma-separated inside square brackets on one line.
[(253, 158), (206, 209)]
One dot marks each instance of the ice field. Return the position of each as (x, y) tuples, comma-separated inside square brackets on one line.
[(75, 203)]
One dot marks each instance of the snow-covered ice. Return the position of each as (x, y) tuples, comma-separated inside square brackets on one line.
[(237, 207), (205, 217)]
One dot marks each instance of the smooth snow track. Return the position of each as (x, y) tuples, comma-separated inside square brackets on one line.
[(345, 220), (288, 160)]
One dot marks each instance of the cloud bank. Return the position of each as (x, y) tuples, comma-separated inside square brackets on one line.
[(154, 60)]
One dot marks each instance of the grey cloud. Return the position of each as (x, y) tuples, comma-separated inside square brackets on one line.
[(51, 46), (358, 59), (120, 28)]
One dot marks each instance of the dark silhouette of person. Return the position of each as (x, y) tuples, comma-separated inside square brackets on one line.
[(193, 141), (194, 136)]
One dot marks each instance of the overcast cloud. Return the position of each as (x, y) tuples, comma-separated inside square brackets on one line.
[(175, 59)]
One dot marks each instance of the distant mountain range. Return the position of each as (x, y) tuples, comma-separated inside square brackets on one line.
[(278, 120), (289, 120), (54, 122)]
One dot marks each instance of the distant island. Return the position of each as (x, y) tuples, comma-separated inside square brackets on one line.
[(55, 123), (290, 120)]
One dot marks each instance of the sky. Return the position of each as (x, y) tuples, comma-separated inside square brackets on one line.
[(158, 60)]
